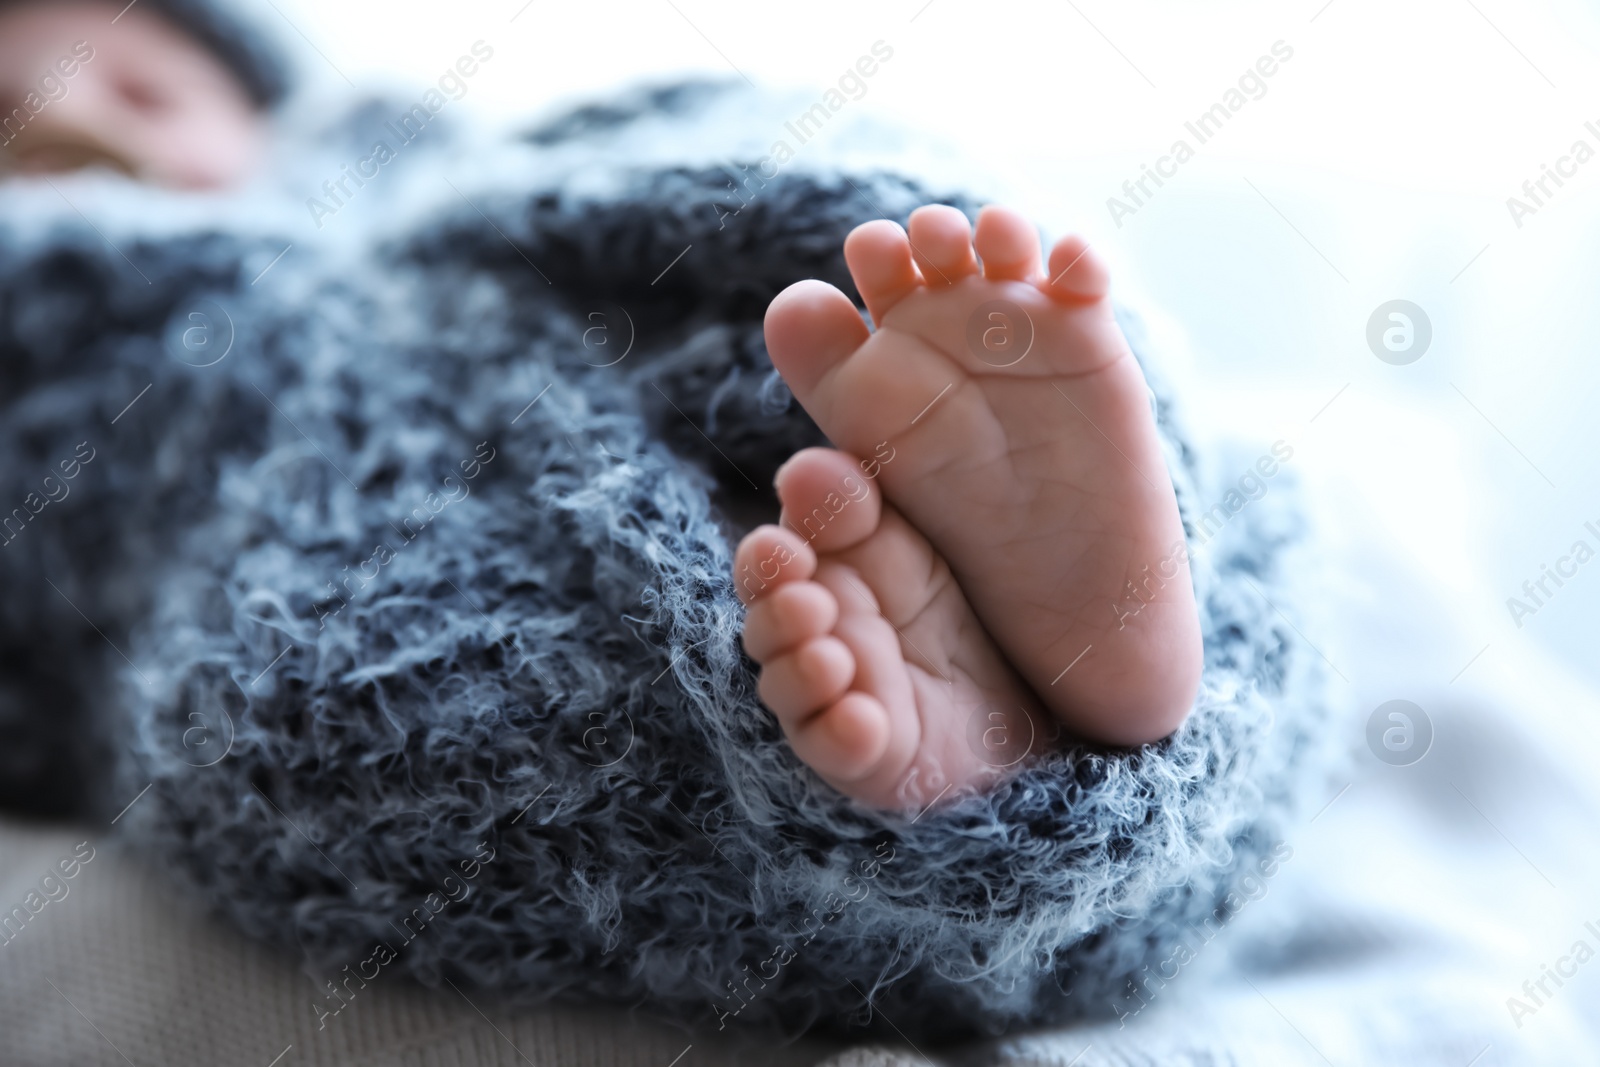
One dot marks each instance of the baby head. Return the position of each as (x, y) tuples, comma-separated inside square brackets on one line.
[(167, 91)]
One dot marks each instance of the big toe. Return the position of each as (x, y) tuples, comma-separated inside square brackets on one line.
[(811, 327), (827, 499)]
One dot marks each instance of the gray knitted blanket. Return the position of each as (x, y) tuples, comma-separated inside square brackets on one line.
[(385, 577)]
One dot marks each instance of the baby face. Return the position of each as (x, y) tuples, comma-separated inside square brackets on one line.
[(82, 86)]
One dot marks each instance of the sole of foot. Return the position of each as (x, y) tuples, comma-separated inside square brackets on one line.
[(1025, 464), (883, 679)]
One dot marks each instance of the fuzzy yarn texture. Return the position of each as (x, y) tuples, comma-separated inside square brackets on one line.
[(397, 590)]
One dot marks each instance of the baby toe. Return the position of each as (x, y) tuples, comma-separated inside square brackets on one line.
[(827, 499), (1008, 245), (810, 328), (941, 244), (787, 617), (768, 557), (1076, 272), (807, 679), (879, 258), (845, 742)]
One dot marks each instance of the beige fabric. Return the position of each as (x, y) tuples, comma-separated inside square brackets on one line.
[(122, 970)]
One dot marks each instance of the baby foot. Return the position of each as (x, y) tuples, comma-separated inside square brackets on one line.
[(1025, 452), (882, 677)]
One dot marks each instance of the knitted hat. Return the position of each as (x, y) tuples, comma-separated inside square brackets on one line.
[(233, 35), (235, 39)]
